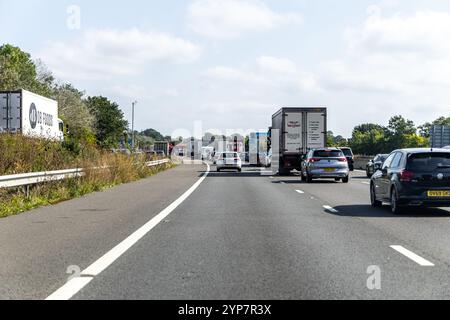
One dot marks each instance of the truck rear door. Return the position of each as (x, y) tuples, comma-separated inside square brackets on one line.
[(316, 131), (293, 133), (10, 115)]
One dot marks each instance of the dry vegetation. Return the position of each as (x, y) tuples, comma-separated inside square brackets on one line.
[(22, 155)]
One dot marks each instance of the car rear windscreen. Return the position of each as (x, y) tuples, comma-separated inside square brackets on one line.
[(427, 162), (348, 152), (328, 154)]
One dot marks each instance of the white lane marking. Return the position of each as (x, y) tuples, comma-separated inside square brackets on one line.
[(414, 257), (357, 170), (300, 191), (365, 182), (331, 209), (282, 182), (72, 287)]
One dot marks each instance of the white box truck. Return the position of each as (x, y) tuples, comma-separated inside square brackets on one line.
[(26, 113), (296, 131)]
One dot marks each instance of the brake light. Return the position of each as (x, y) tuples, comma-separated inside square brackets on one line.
[(406, 176), (342, 159), (315, 160)]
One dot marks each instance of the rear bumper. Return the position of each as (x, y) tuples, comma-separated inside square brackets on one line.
[(320, 174), (229, 166), (424, 201)]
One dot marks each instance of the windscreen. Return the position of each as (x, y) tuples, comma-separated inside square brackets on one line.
[(429, 162), (347, 152), (328, 154)]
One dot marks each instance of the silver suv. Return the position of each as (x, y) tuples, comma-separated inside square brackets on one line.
[(328, 163)]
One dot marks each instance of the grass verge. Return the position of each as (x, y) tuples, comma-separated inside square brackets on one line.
[(15, 201)]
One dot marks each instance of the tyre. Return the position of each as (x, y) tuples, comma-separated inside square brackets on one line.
[(302, 176), (395, 207), (309, 179), (239, 170), (218, 170), (337, 179), (346, 179), (373, 198), (368, 173)]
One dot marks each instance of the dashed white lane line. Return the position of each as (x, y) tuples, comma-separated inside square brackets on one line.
[(73, 286), (414, 257), (365, 182), (299, 191), (330, 209)]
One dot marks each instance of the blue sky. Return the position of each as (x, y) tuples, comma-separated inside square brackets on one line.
[(232, 63)]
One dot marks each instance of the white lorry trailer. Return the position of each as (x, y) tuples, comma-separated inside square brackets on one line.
[(26, 113), (296, 131)]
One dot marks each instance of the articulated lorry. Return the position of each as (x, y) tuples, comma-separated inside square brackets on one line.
[(162, 147), (294, 132), (26, 113)]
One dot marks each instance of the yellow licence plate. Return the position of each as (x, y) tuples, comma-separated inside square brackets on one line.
[(438, 194), (330, 169)]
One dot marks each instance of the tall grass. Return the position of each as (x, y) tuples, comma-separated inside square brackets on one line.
[(102, 170)]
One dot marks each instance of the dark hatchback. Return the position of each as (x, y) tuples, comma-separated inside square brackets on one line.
[(375, 164), (350, 157), (413, 177)]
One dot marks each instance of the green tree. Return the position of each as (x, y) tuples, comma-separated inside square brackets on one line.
[(369, 139), (109, 122), (19, 71), (402, 134), (75, 113), (154, 134)]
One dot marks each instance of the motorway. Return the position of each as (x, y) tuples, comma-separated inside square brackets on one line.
[(230, 236)]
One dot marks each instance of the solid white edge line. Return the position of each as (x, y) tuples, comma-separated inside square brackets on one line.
[(414, 257), (300, 191), (331, 209), (72, 287)]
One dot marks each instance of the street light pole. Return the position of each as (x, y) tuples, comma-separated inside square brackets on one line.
[(132, 127)]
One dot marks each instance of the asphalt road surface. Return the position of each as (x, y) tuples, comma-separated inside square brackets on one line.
[(184, 235)]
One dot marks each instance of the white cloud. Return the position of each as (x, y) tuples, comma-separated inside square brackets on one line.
[(279, 65), (223, 19), (267, 73), (106, 53), (399, 64)]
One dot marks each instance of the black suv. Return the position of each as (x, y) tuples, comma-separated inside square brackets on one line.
[(350, 157), (413, 177)]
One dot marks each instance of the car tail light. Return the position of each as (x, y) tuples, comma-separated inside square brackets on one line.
[(406, 176), (315, 160), (342, 159)]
